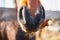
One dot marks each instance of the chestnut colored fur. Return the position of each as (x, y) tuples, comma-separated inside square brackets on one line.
[(9, 30)]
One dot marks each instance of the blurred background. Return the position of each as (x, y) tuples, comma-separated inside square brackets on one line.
[(52, 8)]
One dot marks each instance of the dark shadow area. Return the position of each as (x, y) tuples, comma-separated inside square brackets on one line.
[(0, 36), (21, 35)]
